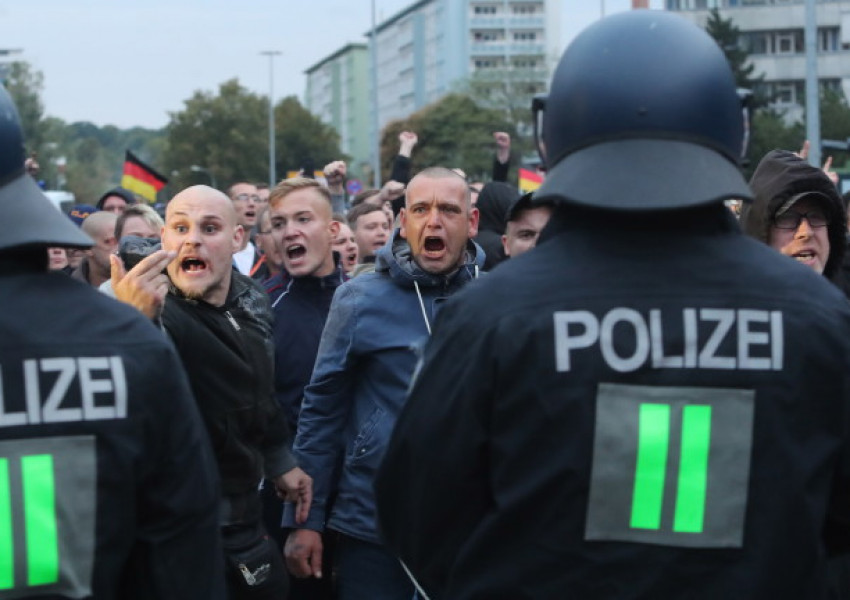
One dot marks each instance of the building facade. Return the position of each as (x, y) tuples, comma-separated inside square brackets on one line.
[(772, 32), (427, 50), (338, 92)]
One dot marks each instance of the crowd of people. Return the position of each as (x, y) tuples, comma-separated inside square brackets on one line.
[(611, 387)]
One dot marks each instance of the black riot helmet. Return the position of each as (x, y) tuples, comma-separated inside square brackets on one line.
[(643, 114), (29, 218)]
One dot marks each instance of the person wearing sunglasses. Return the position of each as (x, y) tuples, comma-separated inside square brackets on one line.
[(798, 211)]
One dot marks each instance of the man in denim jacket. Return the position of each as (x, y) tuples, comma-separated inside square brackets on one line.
[(365, 362)]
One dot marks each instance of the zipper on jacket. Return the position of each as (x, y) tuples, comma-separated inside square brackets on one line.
[(232, 320)]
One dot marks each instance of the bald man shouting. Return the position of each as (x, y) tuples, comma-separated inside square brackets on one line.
[(220, 323)]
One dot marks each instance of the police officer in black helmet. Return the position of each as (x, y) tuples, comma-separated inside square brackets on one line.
[(648, 404), (107, 485)]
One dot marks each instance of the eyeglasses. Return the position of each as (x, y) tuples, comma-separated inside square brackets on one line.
[(246, 197), (263, 232), (791, 219)]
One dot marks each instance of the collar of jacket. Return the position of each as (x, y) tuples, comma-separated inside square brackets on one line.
[(243, 294), (332, 280), (395, 259)]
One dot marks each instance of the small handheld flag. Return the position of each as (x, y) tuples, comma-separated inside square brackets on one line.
[(529, 181), (141, 179)]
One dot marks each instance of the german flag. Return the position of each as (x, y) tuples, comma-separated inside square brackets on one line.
[(141, 179), (529, 181)]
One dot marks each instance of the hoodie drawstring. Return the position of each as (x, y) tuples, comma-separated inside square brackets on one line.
[(422, 306)]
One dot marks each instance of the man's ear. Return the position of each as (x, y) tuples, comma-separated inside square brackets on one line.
[(238, 236), (505, 245), (402, 219), (473, 222), (334, 229)]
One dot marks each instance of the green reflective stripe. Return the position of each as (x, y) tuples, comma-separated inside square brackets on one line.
[(7, 544), (653, 439), (40, 519), (693, 469)]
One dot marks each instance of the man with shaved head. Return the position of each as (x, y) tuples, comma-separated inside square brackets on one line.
[(220, 323), (363, 368), (100, 227)]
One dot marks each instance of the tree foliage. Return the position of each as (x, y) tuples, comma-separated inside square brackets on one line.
[(508, 91), (302, 138), (221, 132), (227, 134), (727, 34), (453, 132)]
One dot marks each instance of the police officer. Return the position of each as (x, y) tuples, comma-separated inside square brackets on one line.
[(108, 488), (650, 404)]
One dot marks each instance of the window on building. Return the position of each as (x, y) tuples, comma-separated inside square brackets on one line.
[(487, 36), (785, 42), (524, 36), (831, 85), (526, 9), (829, 39), (488, 9)]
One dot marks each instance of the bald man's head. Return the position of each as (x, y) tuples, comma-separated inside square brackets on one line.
[(200, 225), (214, 199)]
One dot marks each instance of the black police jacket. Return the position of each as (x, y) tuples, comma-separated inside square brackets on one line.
[(641, 407), (108, 487)]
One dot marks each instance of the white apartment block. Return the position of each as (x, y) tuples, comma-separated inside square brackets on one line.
[(425, 49), (772, 32)]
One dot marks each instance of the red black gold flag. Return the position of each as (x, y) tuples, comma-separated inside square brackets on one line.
[(141, 179), (529, 181)]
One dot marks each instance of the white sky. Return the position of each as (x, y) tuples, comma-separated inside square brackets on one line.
[(130, 62)]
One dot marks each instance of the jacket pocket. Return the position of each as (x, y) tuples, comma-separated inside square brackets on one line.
[(366, 435)]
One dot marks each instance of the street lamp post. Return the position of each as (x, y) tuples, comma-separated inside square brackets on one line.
[(199, 169), (272, 176), (376, 141)]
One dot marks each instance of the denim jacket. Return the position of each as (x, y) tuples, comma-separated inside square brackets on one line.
[(365, 361)]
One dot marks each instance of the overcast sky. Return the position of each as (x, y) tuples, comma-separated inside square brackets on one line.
[(131, 62)]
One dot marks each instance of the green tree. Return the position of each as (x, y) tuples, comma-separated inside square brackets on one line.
[(227, 134), (769, 131), (453, 132), (222, 133), (301, 137), (509, 91), (835, 125), (25, 86), (727, 35)]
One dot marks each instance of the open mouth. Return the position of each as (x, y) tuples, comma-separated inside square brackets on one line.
[(434, 244), (296, 251), (804, 256), (193, 265)]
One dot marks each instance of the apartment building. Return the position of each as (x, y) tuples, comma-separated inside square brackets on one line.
[(772, 32)]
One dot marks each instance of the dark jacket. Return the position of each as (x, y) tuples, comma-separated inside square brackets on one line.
[(300, 306), (494, 201), (113, 443), (513, 471), (228, 355), (365, 361), (780, 175)]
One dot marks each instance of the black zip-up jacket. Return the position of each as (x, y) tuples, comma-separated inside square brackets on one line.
[(300, 306), (106, 475), (644, 406), (228, 356)]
